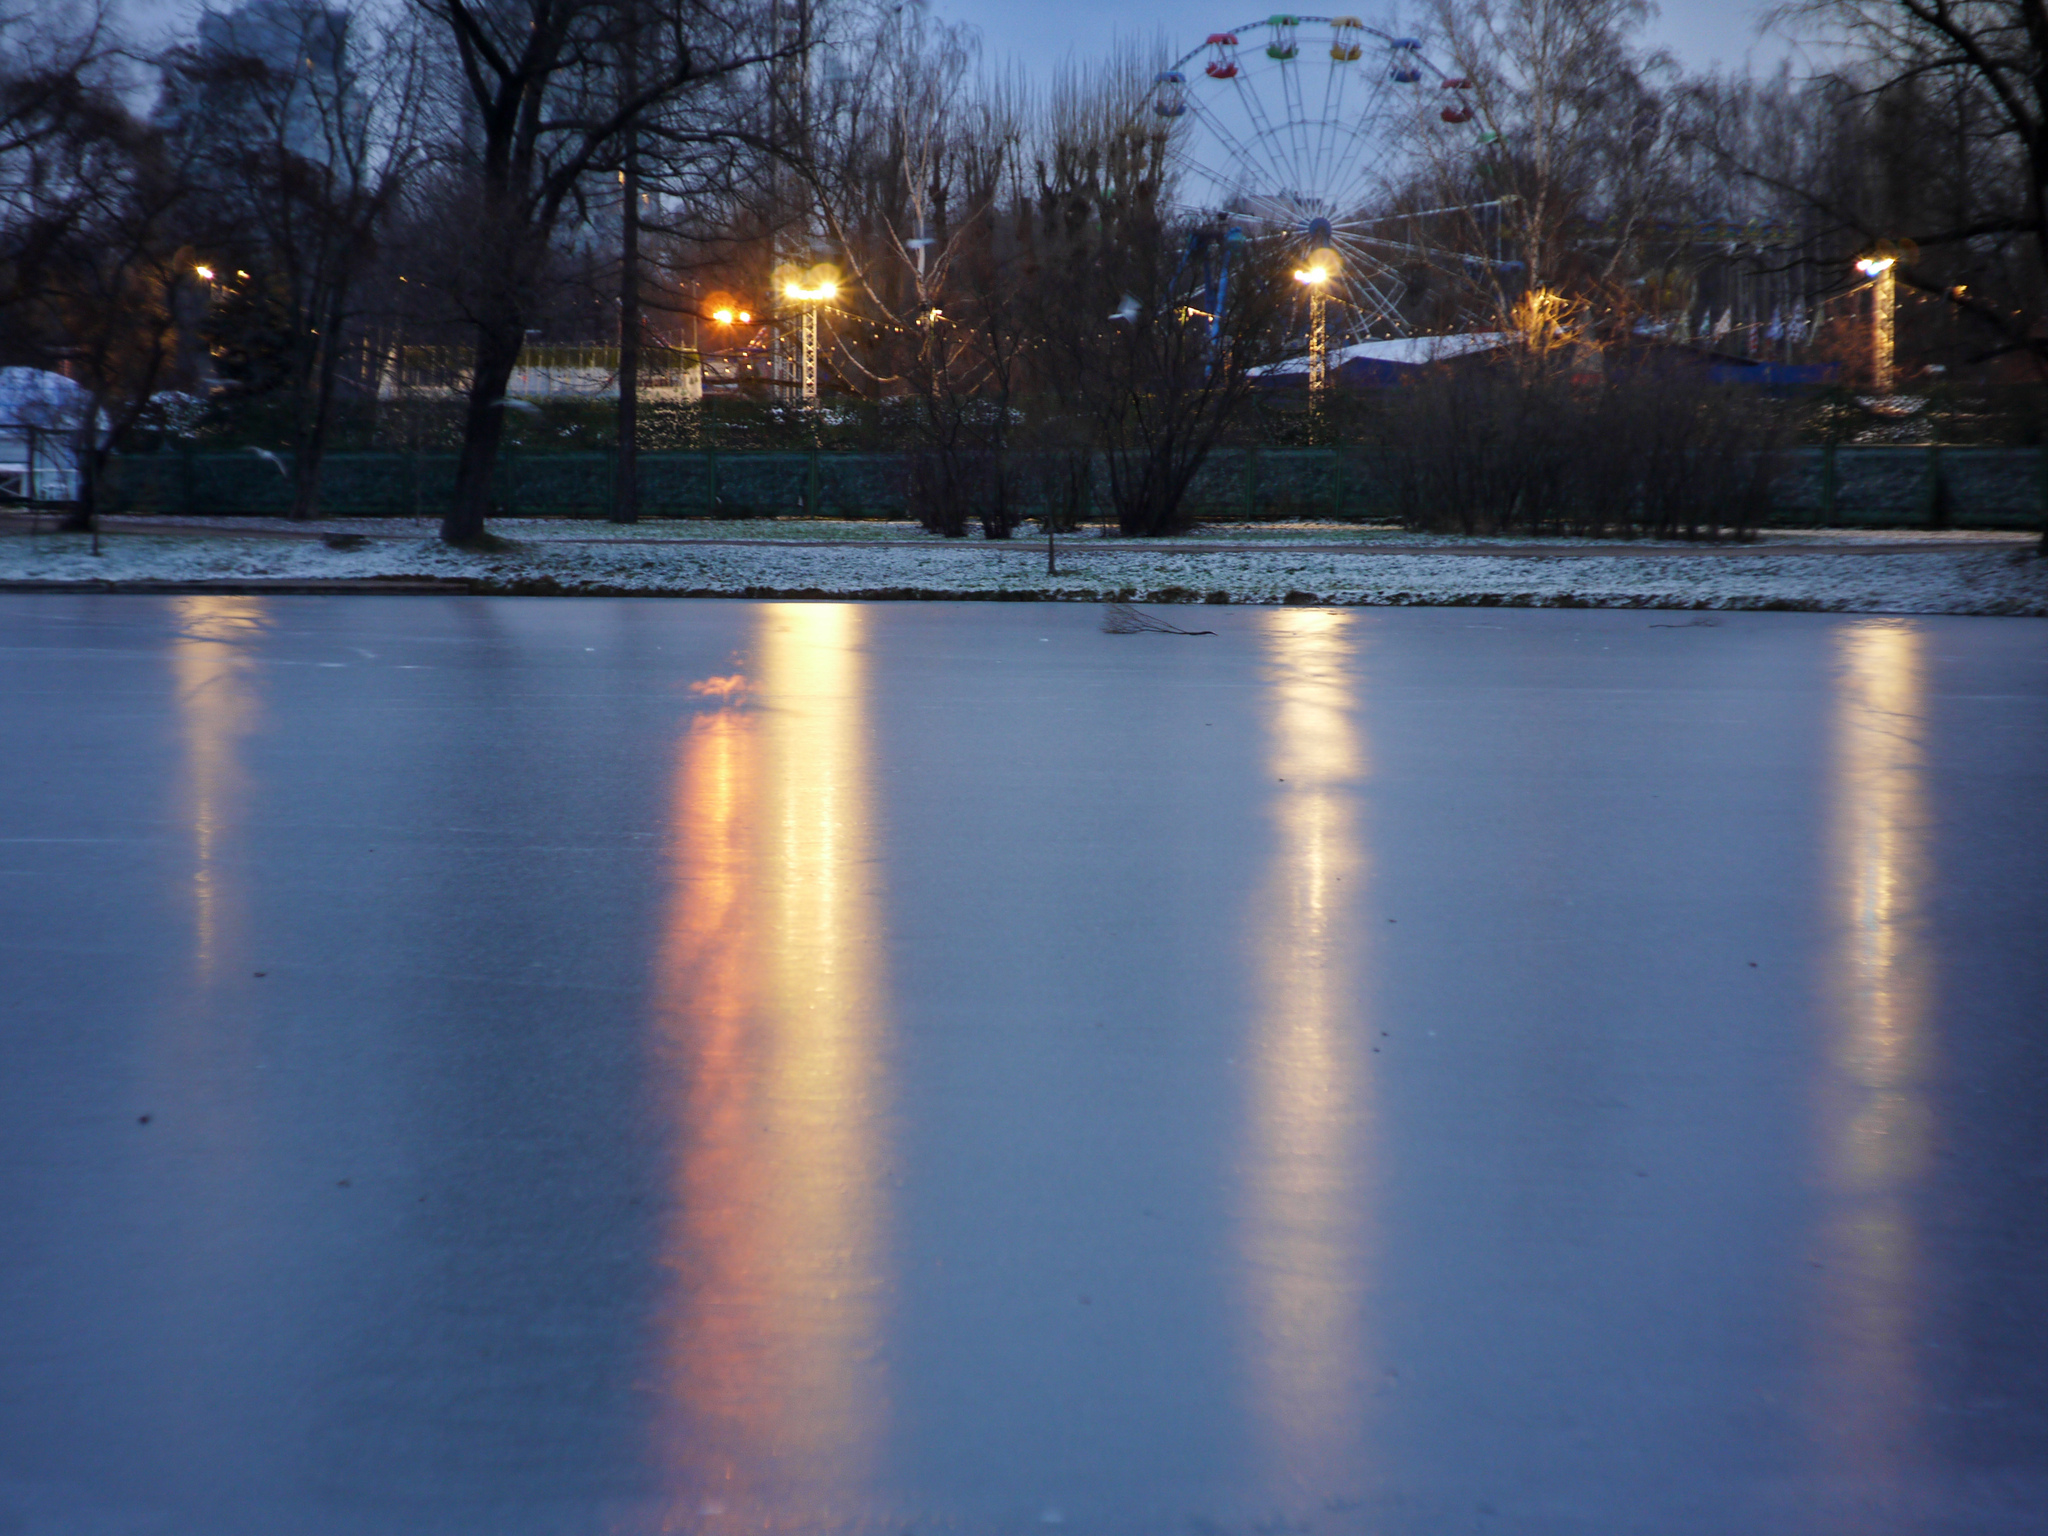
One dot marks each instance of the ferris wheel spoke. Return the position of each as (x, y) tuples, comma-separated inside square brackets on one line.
[(1227, 185), (1333, 117), (1358, 257), (1375, 301), (1243, 165), (1376, 287), (1297, 133), (1322, 124), (1262, 128), (1361, 171), (1253, 159)]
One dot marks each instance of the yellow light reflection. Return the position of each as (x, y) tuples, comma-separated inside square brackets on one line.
[(1304, 1219), (1873, 1114), (770, 1002), (212, 668)]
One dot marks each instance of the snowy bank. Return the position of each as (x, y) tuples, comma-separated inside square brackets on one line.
[(1963, 576)]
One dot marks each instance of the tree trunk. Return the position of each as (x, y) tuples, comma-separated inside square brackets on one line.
[(317, 417), (626, 488), (84, 514), (483, 427)]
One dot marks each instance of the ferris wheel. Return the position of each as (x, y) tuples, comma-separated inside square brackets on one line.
[(1288, 128)]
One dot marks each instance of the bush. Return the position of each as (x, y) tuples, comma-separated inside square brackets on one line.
[(1644, 447)]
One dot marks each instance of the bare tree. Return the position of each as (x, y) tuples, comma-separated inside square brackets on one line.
[(1927, 135), (94, 275), (1570, 159), (114, 289), (304, 127), (1150, 321), (60, 103), (537, 113), (911, 156)]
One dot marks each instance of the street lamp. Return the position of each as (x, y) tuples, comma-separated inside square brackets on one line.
[(1884, 292), (1316, 279), (810, 297)]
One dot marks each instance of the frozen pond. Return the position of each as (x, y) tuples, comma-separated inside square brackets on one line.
[(500, 1067)]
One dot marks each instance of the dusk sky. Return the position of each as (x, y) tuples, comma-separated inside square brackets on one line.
[(1038, 35)]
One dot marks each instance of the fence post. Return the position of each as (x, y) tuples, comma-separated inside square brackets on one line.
[(1827, 484), (1338, 484), (188, 475), (811, 487), (711, 481), (1251, 483)]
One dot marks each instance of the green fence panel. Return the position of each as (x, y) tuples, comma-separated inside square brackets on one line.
[(1880, 486), (1871, 486)]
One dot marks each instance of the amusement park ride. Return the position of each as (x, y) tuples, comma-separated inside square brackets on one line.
[(1284, 129)]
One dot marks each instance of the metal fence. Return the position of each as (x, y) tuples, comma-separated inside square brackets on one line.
[(1906, 487), (38, 466)]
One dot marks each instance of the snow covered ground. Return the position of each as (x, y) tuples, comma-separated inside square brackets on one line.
[(1268, 563)]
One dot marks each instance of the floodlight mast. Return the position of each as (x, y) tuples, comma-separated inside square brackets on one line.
[(1316, 279), (809, 298), (1884, 294)]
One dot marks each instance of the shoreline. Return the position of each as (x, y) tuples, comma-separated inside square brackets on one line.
[(1301, 565)]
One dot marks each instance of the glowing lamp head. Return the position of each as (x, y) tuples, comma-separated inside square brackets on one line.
[(817, 293), (1314, 277), (1872, 266), (205, 274), (745, 317), (724, 316)]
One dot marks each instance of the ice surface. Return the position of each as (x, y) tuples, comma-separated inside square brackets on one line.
[(507, 1068)]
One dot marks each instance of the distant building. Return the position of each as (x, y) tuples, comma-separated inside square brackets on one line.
[(1368, 363), (301, 47)]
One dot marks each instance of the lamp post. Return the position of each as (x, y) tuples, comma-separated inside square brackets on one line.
[(723, 311), (809, 298), (1883, 294), (1316, 279)]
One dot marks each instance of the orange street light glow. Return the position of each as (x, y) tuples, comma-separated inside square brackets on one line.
[(205, 274), (1312, 275), (820, 294)]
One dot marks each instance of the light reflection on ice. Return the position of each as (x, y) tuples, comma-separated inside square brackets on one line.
[(1304, 1222), (217, 705), (1873, 1114), (771, 1003)]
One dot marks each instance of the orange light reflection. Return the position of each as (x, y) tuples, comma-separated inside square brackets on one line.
[(217, 706), (770, 1002)]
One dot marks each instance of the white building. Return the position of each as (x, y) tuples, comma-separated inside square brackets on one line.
[(41, 416)]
